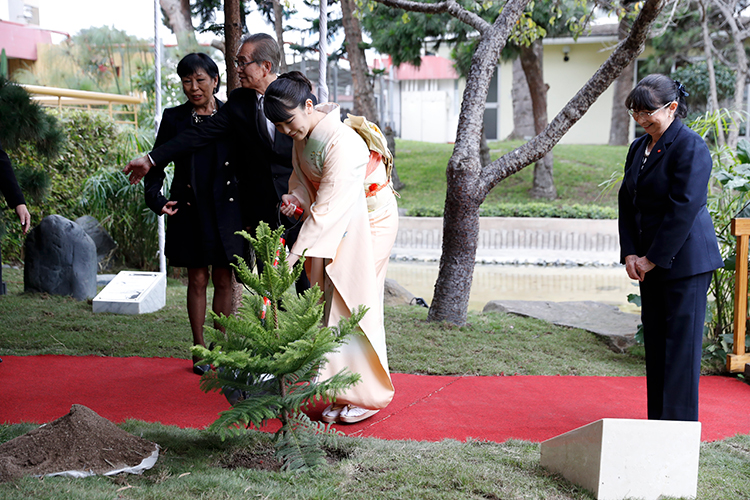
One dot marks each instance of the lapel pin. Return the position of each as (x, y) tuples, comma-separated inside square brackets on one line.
[(658, 150)]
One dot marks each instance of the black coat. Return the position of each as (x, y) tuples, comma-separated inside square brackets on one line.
[(206, 190), (263, 169), (662, 208), (8, 183)]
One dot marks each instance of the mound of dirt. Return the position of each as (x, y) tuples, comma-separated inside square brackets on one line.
[(80, 441)]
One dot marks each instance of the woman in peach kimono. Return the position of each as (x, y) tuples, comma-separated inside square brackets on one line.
[(351, 221)]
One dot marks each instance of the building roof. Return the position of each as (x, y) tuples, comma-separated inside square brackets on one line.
[(432, 68), (20, 40)]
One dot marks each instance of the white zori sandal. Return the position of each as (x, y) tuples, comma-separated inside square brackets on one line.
[(352, 414), (332, 412)]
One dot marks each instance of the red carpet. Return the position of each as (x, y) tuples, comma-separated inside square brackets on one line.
[(42, 388)]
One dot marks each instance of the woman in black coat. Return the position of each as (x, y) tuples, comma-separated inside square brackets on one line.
[(203, 209), (668, 243)]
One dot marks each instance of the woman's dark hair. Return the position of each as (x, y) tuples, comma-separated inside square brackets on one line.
[(191, 63), (288, 92), (656, 90)]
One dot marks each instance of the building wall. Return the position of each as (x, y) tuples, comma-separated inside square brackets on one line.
[(425, 118), (428, 110), (565, 79)]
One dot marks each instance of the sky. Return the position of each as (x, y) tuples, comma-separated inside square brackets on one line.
[(135, 17)]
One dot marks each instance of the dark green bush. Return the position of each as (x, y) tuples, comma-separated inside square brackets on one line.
[(528, 210), (95, 150)]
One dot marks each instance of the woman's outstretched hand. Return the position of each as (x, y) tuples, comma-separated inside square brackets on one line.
[(138, 168)]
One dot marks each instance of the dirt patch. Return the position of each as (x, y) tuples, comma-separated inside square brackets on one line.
[(258, 458), (79, 441)]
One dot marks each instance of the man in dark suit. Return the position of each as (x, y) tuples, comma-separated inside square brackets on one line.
[(14, 198), (262, 155)]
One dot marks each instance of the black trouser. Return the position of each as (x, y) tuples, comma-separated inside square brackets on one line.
[(673, 313)]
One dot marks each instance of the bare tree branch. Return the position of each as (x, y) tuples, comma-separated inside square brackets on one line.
[(449, 6), (667, 22)]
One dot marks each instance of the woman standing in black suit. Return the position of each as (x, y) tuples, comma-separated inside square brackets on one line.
[(668, 243), (203, 209)]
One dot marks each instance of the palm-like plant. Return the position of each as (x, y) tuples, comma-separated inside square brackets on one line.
[(271, 353)]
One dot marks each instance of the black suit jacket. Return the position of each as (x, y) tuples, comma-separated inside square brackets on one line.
[(8, 183), (263, 169), (181, 230), (662, 207)]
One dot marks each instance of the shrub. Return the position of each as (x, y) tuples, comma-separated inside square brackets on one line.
[(85, 179), (528, 210), (268, 361)]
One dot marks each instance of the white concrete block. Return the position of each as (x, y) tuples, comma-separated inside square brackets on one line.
[(619, 459), (132, 292)]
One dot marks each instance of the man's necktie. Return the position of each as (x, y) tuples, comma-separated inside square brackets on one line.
[(262, 123)]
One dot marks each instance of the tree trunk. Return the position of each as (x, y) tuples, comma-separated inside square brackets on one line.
[(232, 34), (364, 91), (713, 99), (619, 126), (484, 150), (531, 61), (178, 17), (523, 117), (278, 24), (740, 73), (450, 301)]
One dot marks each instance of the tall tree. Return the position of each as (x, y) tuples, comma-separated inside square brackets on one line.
[(713, 99), (233, 23), (468, 183), (532, 64), (364, 90), (178, 17), (733, 15), (619, 125), (278, 25)]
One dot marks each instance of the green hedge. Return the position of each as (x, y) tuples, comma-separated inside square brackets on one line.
[(528, 210), (85, 179)]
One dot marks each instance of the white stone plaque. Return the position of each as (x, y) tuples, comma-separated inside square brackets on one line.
[(621, 458), (133, 292)]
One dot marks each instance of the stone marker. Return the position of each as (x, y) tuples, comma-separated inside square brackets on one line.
[(60, 259), (105, 245), (132, 292), (622, 458)]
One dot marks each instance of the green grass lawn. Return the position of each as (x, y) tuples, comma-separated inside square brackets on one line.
[(578, 172), (358, 468)]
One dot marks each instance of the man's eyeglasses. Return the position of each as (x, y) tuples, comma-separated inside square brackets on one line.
[(241, 64), (646, 114)]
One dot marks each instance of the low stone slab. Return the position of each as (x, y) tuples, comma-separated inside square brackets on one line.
[(618, 327), (617, 459), (132, 292)]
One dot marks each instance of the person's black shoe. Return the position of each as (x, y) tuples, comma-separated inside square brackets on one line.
[(201, 369)]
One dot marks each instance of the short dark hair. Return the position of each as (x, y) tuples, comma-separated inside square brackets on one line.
[(191, 63), (289, 91), (265, 48), (654, 91)]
